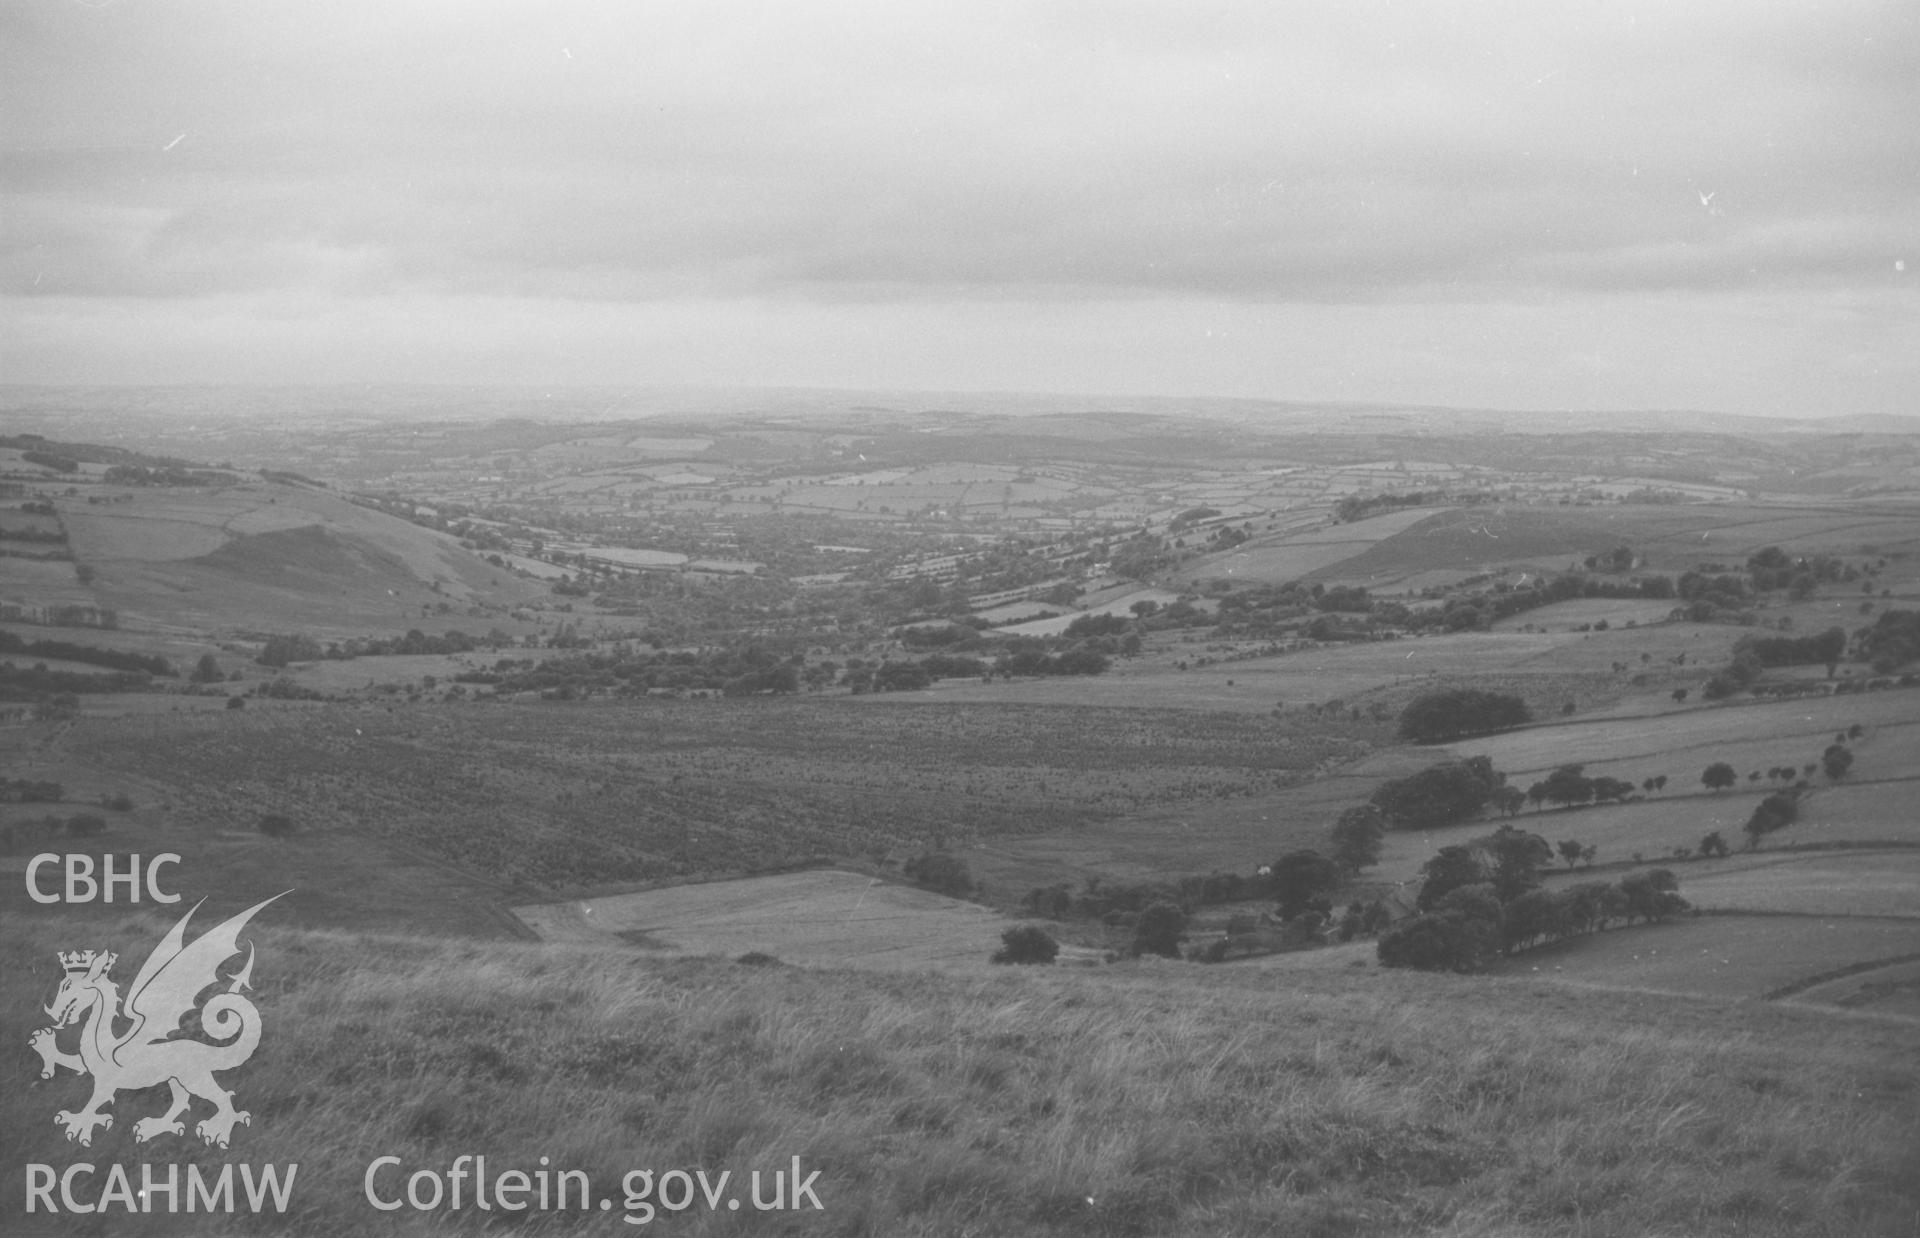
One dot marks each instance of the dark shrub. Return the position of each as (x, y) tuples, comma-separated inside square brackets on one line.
[(1026, 943), (1441, 716)]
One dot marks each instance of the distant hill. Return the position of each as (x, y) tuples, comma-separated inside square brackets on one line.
[(258, 555)]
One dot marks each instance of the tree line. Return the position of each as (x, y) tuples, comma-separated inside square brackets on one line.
[(1483, 899), (92, 655)]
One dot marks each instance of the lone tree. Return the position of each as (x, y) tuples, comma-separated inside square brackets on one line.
[(207, 670), (1161, 928), (1836, 761), (1776, 812), (1441, 716), (1026, 943), (1516, 858), (1719, 776), (1567, 785), (1355, 837), (941, 872), (1450, 868), (1300, 876), (1652, 895), (1713, 845)]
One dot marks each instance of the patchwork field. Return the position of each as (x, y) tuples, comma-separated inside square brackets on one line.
[(1670, 538), (1120, 605), (820, 918), (1548, 668), (1750, 736)]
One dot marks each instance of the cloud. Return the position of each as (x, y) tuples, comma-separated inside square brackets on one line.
[(649, 154)]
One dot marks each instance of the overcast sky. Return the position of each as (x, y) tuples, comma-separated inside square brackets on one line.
[(1514, 205)]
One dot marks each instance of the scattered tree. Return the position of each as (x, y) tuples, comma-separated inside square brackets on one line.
[(1160, 930), (1776, 812), (1451, 868), (1299, 877), (1356, 836), (1719, 776), (1027, 944), (940, 871), (1567, 785), (1836, 761)]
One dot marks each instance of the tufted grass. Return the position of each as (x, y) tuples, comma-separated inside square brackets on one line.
[(1133, 1100)]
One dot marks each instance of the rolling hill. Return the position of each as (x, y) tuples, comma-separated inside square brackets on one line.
[(257, 556)]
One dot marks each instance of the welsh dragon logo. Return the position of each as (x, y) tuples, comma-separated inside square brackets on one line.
[(151, 1050)]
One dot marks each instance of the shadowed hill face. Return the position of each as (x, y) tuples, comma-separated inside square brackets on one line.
[(310, 557), (279, 558)]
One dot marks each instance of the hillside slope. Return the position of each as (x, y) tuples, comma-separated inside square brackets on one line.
[(263, 556), (1153, 1099)]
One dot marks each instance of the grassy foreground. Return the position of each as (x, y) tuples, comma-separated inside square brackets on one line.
[(1151, 1099)]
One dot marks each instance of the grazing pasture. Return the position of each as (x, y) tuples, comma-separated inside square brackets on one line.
[(1549, 668), (1854, 883), (1666, 538), (1890, 990), (819, 918), (1566, 616), (1719, 955), (1654, 827), (1749, 735)]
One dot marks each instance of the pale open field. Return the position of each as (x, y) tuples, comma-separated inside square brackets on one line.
[(41, 582), (1881, 883), (1121, 605), (1669, 539), (1563, 616), (1749, 736), (1532, 663), (1276, 559), (1857, 812), (1893, 990), (821, 917), (1718, 956)]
